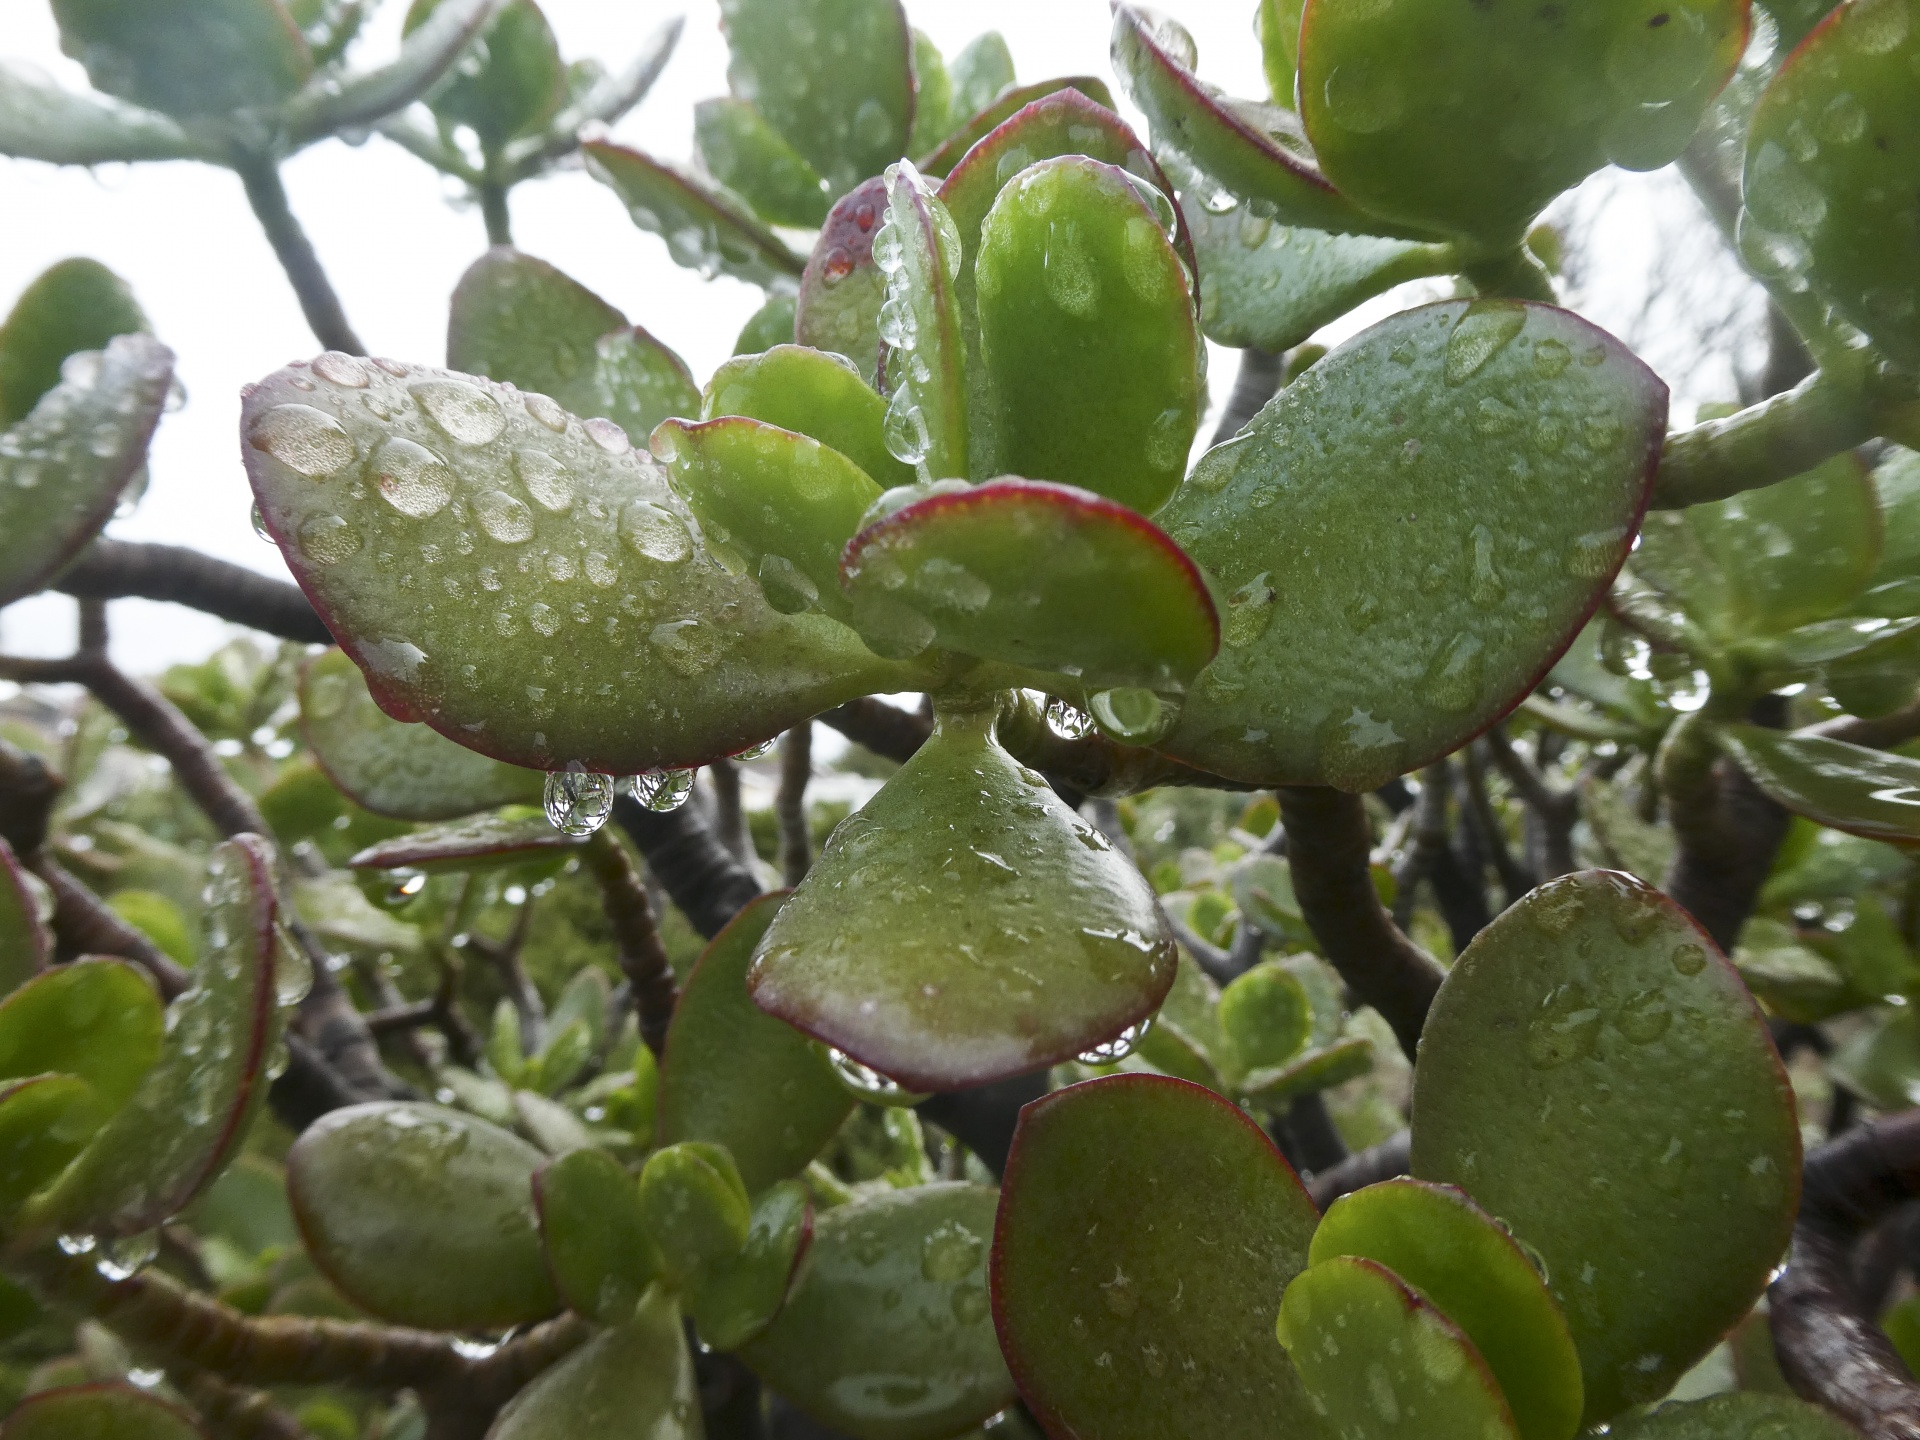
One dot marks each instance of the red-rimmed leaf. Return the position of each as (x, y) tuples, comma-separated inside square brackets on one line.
[(1146, 1231), (1736, 1417), (97, 1019), (1042, 576), (918, 250), (965, 925), (1848, 787), (1409, 535), (104, 1411), (811, 392), (481, 843), (26, 944), (705, 228), (842, 289), (1008, 102)]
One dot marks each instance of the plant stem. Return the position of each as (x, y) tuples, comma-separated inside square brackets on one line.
[(113, 569), (493, 209), (1516, 275), (643, 958), (1256, 383), (318, 302), (706, 883), (790, 802), (729, 818)]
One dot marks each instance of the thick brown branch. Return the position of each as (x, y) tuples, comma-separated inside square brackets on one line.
[(708, 885), (87, 925), (1727, 830), (790, 803), (886, 730), (115, 569), (1363, 1168), (643, 959), (28, 788)]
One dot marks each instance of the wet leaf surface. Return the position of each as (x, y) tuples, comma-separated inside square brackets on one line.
[(105, 1411), (809, 392), (1147, 1231), (887, 1334), (1443, 498), (71, 306), (705, 228), (633, 1379), (964, 925), (1595, 1075), (1005, 104), (97, 1019), (740, 1299), (918, 249), (595, 1235), (45, 1120), (1744, 1416), (43, 120), (514, 81), (696, 1211), (842, 289), (423, 1215), (1864, 792), (747, 155), (187, 57), (481, 843)]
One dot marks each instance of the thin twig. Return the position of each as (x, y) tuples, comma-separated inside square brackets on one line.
[(729, 815), (1389, 1158), (114, 569), (233, 1412), (1551, 813), (318, 302), (887, 730), (28, 789), (643, 958), (1477, 807), (790, 802)]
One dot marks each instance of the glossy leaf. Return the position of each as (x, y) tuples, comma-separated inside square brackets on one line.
[(403, 770), (1146, 1233), (1042, 576), (26, 944), (103, 1411), (1087, 334), (835, 77), (1008, 103), (42, 120), (918, 250), (736, 1077), (1408, 535), (1436, 1240), (74, 305), (172, 1138), (615, 585), (964, 925), (1254, 152), (1595, 1074), (842, 289), (45, 1120), (747, 155), (187, 57), (810, 392), (738, 1300), (515, 81), (97, 1019), (1874, 793), (982, 69), (63, 467), (595, 1235), (922, 1365), (706, 229), (1378, 1358), (1833, 157), (1735, 1417), (422, 1215), (1277, 23), (1469, 122), (783, 503), (1271, 286), (933, 113), (481, 843), (696, 1211), (634, 1379)]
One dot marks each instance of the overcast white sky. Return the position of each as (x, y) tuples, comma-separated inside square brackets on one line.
[(381, 221)]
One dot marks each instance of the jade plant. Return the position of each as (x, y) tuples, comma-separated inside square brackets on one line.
[(1351, 937)]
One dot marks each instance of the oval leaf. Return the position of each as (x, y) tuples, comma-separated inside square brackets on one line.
[(422, 1215), (187, 57), (1147, 1230), (26, 944), (918, 250), (482, 843), (595, 1235), (886, 1334), (1409, 534), (42, 120), (1849, 787), (965, 925), (74, 305), (740, 1299), (1043, 576), (112, 1411), (747, 155), (1007, 103), (1594, 1073), (45, 1120), (705, 228), (842, 289), (593, 575), (634, 1379), (97, 1019), (63, 467), (810, 392), (733, 1075), (512, 82)]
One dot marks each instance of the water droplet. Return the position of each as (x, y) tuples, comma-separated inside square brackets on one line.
[(1644, 1018), (1484, 587), (662, 791), (411, 478), (1068, 722), (406, 885), (655, 533), (1690, 959), (1169, 438), (607, 435), (126, 1256), (546, 410), (1133, 716), (1482, 332), (1146, 259), (873, 127), (970, 1305), (1844, 119), (788, 588), (77, 1244), (1550, 359), (1067, 271), (328, 539), (950, 1253), (1598, 552), (1121, 1294), (905, 428), (1363, 96), (396, 368), (755, 752), (464, 412), (504, 518), (260, 524), (548, 481), (578, 801), (292, 971), (1112, 1052), (1249, 612), (1781, 195), (1439, 1354), (1453, 680), (307, 441), (869, 1084), (342, 369), (1567, 1028), (836, 267), (543, 618), (1873, 27)]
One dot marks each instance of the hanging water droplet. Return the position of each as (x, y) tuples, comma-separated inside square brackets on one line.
[(905, 428), (1112, 1052), (1068, 722), (124, 1257), (1132, 715), (755, 752), (1482, 332), (292, 970), (260, 524), (578, 801), (869, 1084), (662, 791), (465, 413), (411, 478), (307, 441), (278, 1059), (77, 1244)]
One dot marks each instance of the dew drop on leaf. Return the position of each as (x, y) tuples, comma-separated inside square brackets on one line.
[(342, 369), (546, 410), (654, 532), (950, 1253), (1484, 329), (307, 441), (328, 539), (504, 518), (548, 481), (608, 435), (1132, 715), (1690, 959), (578, 801), (411, 478), (1873, 27), (866, 1082), (1068, 722)]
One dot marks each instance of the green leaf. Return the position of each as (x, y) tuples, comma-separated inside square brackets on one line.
[(1271, 286), (104, 1411), (45, 1120), (922, 1365), (1087, 334), (696, 1210), (1833, 156), (1266, 1016), (585, 999), (595, 1235), (1255, 152), (810, 392), (738, 1078), (337, 104), (41, 120), (187, 57), (634, 1379), (1042, 576), (1735, 1417), (340, 913), (782, 503), (918, 249), (95, 1018), (1314, 1070), (64, 466), (980, 72), (1146, 1233), (26, 944), (74, 305), (842, 290), (169, 1141), (1408, 535), (403, 770), (1863, 792), (1377, 1357), (1278, 25), (513, 81), (964, 925), (609, 559), (1439, 1242), (1009, 103), (1595, 1074), (738, 1300), (483, 842), (933, 113), (1881, 1064), (835, 77), (705, 228), (422, 1215), (748, 156), (1469, 122), (772, 324)]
